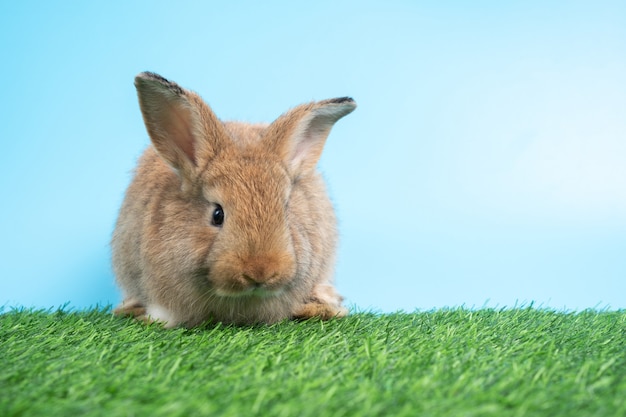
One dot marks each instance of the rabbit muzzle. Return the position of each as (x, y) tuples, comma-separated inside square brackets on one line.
[(259, 276)]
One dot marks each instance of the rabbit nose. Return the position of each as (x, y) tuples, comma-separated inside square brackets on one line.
[(252, 282), (259, 274), (258, 278)]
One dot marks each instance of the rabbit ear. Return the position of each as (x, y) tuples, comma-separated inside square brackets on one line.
[(299, 135), (182, 127)]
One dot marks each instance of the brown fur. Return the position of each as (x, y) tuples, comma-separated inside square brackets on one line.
[(272, 258)]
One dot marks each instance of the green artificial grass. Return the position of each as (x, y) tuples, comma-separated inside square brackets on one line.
[(442, 363)]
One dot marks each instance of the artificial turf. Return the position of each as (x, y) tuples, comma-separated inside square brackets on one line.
[(457, 362)]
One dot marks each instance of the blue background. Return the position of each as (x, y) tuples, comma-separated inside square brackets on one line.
[(485, 164)]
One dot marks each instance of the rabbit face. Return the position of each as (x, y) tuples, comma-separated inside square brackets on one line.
[(252, 253)]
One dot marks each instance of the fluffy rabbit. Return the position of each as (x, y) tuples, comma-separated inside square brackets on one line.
[(226, 221)]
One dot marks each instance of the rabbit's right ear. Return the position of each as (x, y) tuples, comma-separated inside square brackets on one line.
[(183, 128)]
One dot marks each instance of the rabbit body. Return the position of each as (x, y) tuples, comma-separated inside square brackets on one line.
[(226, 221)]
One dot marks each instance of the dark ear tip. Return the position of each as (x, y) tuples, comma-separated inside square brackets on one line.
[(148, 76), (341, 100)]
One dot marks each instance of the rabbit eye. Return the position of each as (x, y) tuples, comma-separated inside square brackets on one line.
[(218, 216)]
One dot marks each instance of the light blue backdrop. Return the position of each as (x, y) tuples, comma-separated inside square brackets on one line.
[(485, 165)]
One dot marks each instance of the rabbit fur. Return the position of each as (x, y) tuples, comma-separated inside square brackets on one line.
[(270, 259)]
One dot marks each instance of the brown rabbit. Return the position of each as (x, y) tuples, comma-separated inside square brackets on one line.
[(226, 221)]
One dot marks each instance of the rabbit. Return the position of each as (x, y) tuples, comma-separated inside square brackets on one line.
[(227, 221)]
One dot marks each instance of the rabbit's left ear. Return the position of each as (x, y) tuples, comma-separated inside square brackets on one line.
[(299, 135)]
